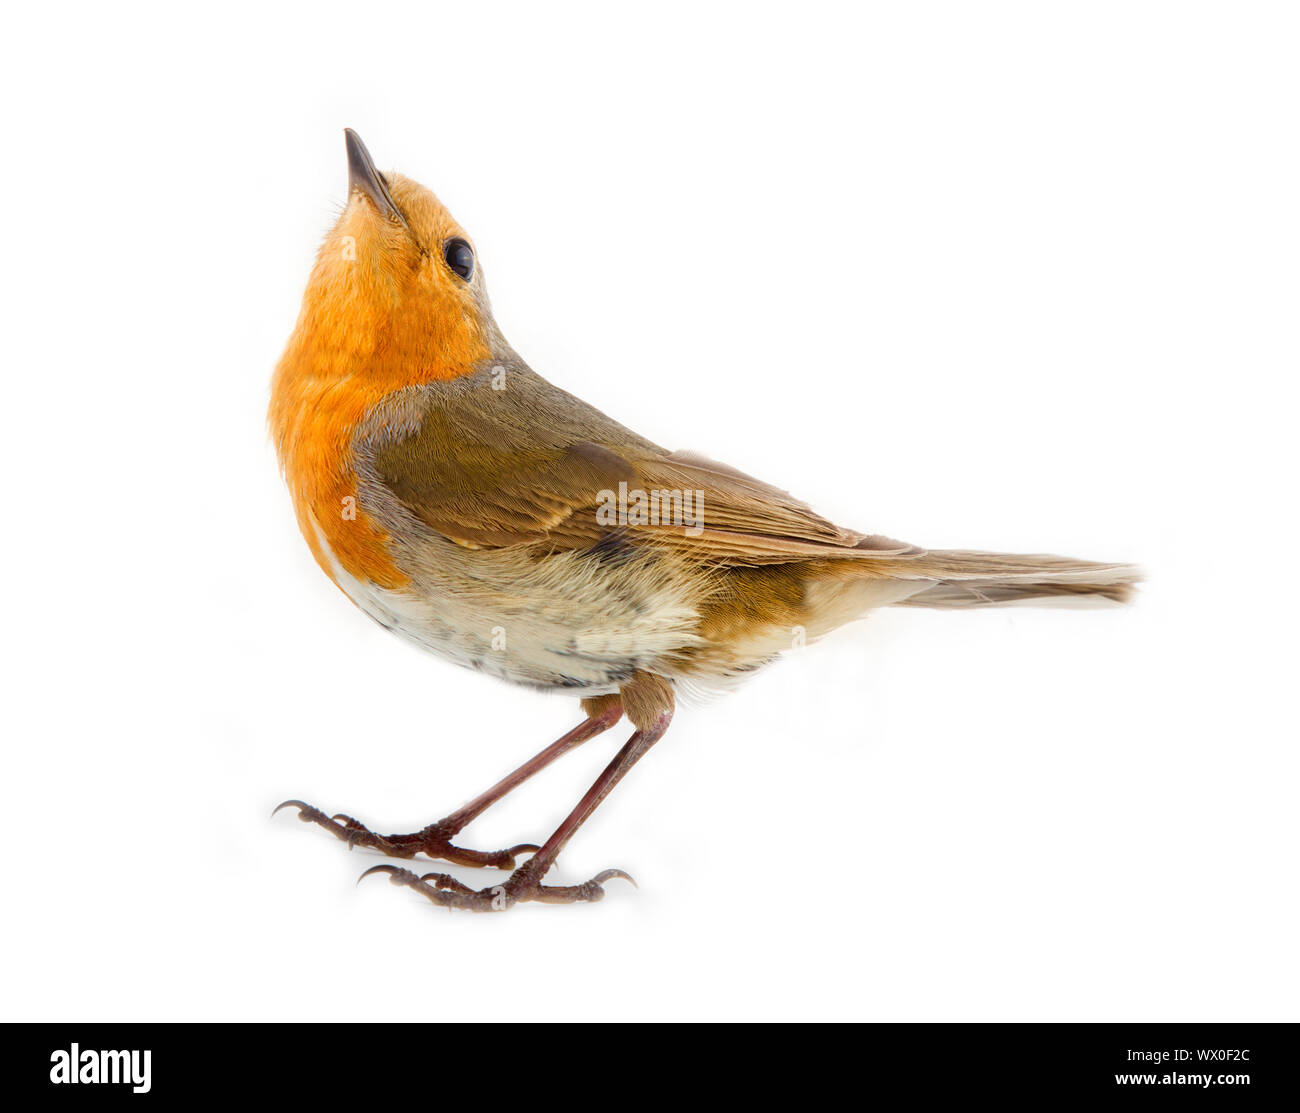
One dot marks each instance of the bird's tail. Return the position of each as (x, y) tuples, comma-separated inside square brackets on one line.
[(975, 579)]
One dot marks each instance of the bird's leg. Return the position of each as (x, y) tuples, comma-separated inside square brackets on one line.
[(526, 882), (435, 839)]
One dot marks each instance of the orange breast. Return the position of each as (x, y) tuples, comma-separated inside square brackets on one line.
[(318, 469), (330, 377)]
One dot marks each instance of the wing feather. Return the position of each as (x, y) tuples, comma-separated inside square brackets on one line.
[(489, 477)]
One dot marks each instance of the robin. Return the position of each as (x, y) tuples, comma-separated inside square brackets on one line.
[(469, 506)]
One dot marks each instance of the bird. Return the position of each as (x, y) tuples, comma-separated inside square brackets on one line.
[(481, 513)]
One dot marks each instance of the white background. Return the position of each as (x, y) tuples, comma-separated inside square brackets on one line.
[(1014, 276)]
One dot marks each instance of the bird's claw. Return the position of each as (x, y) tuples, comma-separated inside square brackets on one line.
[(609, 875), (306, 812), (447, 892), (433, 841)]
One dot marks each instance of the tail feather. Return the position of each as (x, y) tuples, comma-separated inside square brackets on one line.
[(974, 579)]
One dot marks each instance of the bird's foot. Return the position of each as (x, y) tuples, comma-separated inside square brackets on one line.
[(434, 840), (523, 885)]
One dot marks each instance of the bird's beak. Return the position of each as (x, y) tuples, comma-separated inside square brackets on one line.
[(363, 176)]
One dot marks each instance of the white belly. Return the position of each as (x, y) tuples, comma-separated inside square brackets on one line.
[(555, 625)]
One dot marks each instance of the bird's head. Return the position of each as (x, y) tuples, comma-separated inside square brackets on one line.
[(396, 296)]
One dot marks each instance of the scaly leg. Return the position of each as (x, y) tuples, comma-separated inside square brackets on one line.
[(435, 839), (526, 882)]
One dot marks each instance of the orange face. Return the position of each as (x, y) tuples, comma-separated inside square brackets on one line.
[(390, 303), (384, 291)]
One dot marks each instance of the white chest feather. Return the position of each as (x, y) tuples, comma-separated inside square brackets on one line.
[(557, 623)]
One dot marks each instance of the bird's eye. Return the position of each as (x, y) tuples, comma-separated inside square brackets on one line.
[(460, 257)]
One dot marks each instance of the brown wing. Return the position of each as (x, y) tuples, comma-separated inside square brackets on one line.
[(746, 521), (488, 476), (487, 497)]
